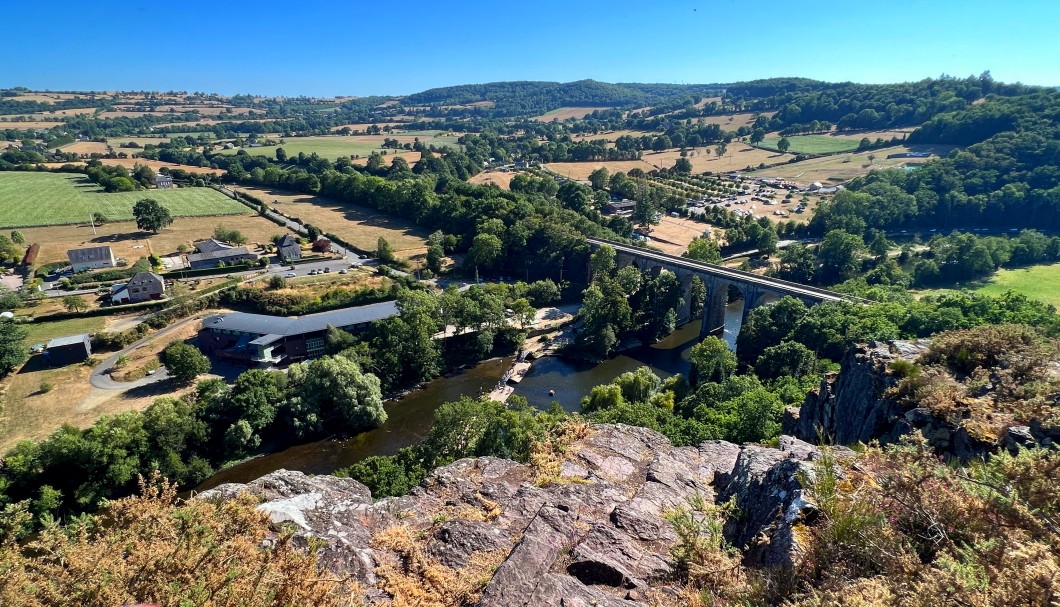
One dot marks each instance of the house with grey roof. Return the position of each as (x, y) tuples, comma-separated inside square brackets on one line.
[(260, 339), (143, 286), (211, 245), (229, 256), (288, 248), (91, 258), (163, 181)]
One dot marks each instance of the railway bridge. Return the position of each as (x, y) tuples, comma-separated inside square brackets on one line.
[(757, 290)]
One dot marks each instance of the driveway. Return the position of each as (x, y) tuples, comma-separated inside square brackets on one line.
[(101, 379)]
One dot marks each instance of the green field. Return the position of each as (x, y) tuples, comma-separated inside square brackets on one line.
[(1037, 282), (43, 199), (813, 144), (41, 332), (334, 146)]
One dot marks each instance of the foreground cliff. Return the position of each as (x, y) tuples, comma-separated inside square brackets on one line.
[(969, 393), (592, 527)]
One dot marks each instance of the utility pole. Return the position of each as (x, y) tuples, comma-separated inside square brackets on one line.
[(92, 222)]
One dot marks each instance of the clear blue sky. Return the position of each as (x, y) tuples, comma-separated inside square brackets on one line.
[(364, 47)]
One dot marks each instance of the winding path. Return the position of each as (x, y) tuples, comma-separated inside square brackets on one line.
[(101, 379)]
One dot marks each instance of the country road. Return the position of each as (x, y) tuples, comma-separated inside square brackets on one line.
[(101, 379)]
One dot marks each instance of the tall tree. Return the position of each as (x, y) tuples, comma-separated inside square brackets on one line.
[(150, 215)]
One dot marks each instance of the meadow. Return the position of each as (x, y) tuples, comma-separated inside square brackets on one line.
[(1037, 282), (813, 144), (844, 167), (564, 113), (41, 199)]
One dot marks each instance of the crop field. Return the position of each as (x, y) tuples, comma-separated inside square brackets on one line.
[(116, 142), (844, 167), (564, 113), (41, 199), (410, 157), (334, 146), (360, 226), (1037, 282), (126, 240), (129, 163), (873, 135), (813, 144), (86, 147), (673, 234)]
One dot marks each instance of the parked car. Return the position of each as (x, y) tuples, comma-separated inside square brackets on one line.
[(312, 272), (327, 270), (290, 275), (343, 271)]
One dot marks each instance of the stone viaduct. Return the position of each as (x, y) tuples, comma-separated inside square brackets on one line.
[(757, 290)]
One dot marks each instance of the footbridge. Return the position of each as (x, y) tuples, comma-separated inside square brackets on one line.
[(756, 290)]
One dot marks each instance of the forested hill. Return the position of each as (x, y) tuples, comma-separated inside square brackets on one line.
[(531, 97)]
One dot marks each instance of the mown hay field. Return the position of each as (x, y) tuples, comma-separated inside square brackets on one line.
[(128, 241), (738, 156), (844, 167), (334, 146), (564, 113), (360, 226), (41, 199)]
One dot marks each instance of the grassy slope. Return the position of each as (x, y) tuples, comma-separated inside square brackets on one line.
[(37, 199)]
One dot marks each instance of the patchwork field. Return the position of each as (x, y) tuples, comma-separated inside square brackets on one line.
[(731, 122), (737, 157), (334, 146), (564, 113), (127, 241), (41, 199), (844, 167), (359, 226), (129, 163)]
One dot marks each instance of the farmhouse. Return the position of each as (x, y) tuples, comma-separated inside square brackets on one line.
[(143, 286), (163, 181), (91, 258), (624, 207), (68, 350), (228, 256), (211, 246), (260, 339), (289, 248)]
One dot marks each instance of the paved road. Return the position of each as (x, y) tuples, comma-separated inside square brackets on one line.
[(100, 378)]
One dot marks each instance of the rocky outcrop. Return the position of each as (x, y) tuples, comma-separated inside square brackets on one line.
[(852, 406), (598, 534)]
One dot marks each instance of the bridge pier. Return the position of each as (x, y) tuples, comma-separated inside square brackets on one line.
[(714, 307), (684, 313)]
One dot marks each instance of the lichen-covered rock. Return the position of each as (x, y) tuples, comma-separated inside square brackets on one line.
[(596, 536)]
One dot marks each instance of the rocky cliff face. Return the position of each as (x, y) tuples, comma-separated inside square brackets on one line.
[(595, 534), (855, 406)]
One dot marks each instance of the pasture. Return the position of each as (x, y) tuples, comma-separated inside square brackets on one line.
[(130, 163), (360, 226), (1037, 282), (564, 113), (41, 199), (126, 240), (844, 167), (334, 146), (28, 125), (673, 234), (813, 144)]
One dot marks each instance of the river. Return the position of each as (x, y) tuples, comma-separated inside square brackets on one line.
[(410, 417)]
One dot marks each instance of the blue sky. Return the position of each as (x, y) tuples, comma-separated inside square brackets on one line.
[(361, 48)]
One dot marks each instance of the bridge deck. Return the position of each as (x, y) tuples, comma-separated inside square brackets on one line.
[(774, 284)]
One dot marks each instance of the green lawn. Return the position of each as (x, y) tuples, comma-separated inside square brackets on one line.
[(1037, 282), (43, 199), (813, 144), (41, 332)]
